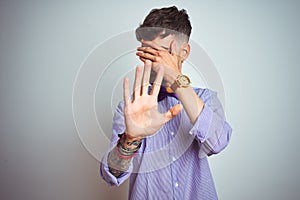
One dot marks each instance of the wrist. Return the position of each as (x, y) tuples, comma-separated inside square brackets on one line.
[(129, 138), (181, 82), (129, 142), (171, 78)]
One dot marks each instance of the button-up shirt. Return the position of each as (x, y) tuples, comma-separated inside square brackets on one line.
[(172, 163)]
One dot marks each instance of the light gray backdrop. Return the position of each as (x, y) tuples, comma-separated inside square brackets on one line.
[(254, 44)]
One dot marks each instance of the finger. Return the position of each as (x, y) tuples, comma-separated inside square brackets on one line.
[(142, 59), (175, 110), (137, 83), (146, 56), (146, 77), (147, 50), (157, 82), (126, 91)]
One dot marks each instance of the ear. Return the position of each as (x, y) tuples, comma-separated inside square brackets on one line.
[(184, 51)]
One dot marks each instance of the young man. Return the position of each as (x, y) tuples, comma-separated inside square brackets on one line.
[(163, 133)]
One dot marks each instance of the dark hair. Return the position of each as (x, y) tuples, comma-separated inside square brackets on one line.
[(163, 22)]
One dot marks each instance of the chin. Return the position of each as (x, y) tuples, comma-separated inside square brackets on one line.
[(152, 79)]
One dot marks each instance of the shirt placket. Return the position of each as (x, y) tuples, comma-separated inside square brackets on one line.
[(175, 182)]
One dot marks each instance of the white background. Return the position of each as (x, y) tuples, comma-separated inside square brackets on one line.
[(254, 44)]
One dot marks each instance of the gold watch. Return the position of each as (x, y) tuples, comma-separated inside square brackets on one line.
[(182, 81)]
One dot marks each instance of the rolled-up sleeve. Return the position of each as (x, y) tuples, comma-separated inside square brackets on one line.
[(211, 129), (118, 127), (109, 177)]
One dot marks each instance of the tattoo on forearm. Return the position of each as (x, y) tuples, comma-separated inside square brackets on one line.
[(120, 157), (117, 165)]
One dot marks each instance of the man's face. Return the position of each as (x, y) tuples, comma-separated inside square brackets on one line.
[(159, 43)]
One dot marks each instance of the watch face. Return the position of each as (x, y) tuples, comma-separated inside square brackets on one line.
[(184, 81)]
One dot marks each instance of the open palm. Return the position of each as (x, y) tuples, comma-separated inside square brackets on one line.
[(142, 117)]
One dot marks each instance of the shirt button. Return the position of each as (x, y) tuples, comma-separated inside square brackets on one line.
[(172, 133), (173, 158), (176, 184)]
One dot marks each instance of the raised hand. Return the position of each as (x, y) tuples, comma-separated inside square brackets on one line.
[(142, 117)]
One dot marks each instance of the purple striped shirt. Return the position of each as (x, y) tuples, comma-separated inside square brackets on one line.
[(172, 164)]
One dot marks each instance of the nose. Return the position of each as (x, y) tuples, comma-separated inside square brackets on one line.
[(145, 43)]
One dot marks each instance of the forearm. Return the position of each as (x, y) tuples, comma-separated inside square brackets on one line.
[(192, 104), (120, 157)]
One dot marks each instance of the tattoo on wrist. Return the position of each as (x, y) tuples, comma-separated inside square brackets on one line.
[(120, 157), (128, 146)]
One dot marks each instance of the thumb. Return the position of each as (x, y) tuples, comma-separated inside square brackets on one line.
[(175, 110)]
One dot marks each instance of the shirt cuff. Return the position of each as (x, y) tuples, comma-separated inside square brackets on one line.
[(110, 178)]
